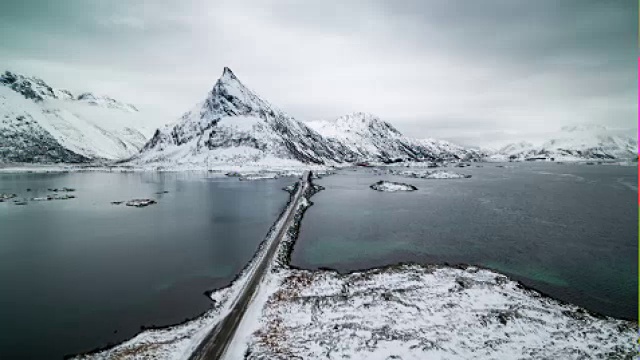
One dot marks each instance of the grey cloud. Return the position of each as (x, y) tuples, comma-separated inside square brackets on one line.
[(452, 69)]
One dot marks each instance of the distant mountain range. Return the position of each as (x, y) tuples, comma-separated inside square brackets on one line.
[(234, 125), (574, 143), (43, 124), (371, 139)]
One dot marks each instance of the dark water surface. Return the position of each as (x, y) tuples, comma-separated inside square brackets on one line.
[(568, 230), (77, 274)]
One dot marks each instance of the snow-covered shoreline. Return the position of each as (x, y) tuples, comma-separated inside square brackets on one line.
[(413, 169), (293, 167), (427, 174), (408, 311)]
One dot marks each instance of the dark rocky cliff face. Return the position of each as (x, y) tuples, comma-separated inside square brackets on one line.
[(26, 141)]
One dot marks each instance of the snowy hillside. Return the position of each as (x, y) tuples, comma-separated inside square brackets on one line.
[(39, 123), (574, 143), (375, 140), (234, 126)]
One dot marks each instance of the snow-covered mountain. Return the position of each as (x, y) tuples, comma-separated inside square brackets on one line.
[(373, 139), (105, 101), (40, 123), (574, 143), (233, 125)]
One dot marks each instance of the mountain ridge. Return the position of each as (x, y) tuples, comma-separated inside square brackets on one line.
[(374, 139), (41, 123), (585, 142)]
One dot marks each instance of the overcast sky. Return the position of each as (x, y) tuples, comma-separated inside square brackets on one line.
[(475, 72)]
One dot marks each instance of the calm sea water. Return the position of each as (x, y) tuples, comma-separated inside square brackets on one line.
[(77, 274), (568, 230)]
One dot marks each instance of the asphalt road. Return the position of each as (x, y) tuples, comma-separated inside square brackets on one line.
[(216, 342)]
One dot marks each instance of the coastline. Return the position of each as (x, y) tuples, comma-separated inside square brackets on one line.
[(283, 271)]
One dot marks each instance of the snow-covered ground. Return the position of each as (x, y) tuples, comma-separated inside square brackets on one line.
[(432, 312), (429, 174), (215, 161), (249, 170), (445, 175)]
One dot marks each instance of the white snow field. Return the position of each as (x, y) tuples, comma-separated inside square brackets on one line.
[(428, 312)]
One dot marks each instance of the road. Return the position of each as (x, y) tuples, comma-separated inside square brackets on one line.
[(217, 340)]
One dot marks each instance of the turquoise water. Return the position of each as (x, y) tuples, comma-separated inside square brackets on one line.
[(567, 230), (77, 274)]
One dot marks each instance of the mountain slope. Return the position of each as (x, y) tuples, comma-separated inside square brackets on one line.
[(22, 139), (233, 125), (375, 140), (39, 123), (575, 143)]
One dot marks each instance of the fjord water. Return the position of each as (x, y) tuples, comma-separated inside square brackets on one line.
[(568, 230), (77, 274)]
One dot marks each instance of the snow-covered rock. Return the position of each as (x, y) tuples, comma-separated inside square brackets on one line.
[(445, 175), (32, 87), (140, 202), (64, 189), (54, 197), (390, 186), (428, 312), (373, 139), (5, 197), (574, 143), (42, 124)]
